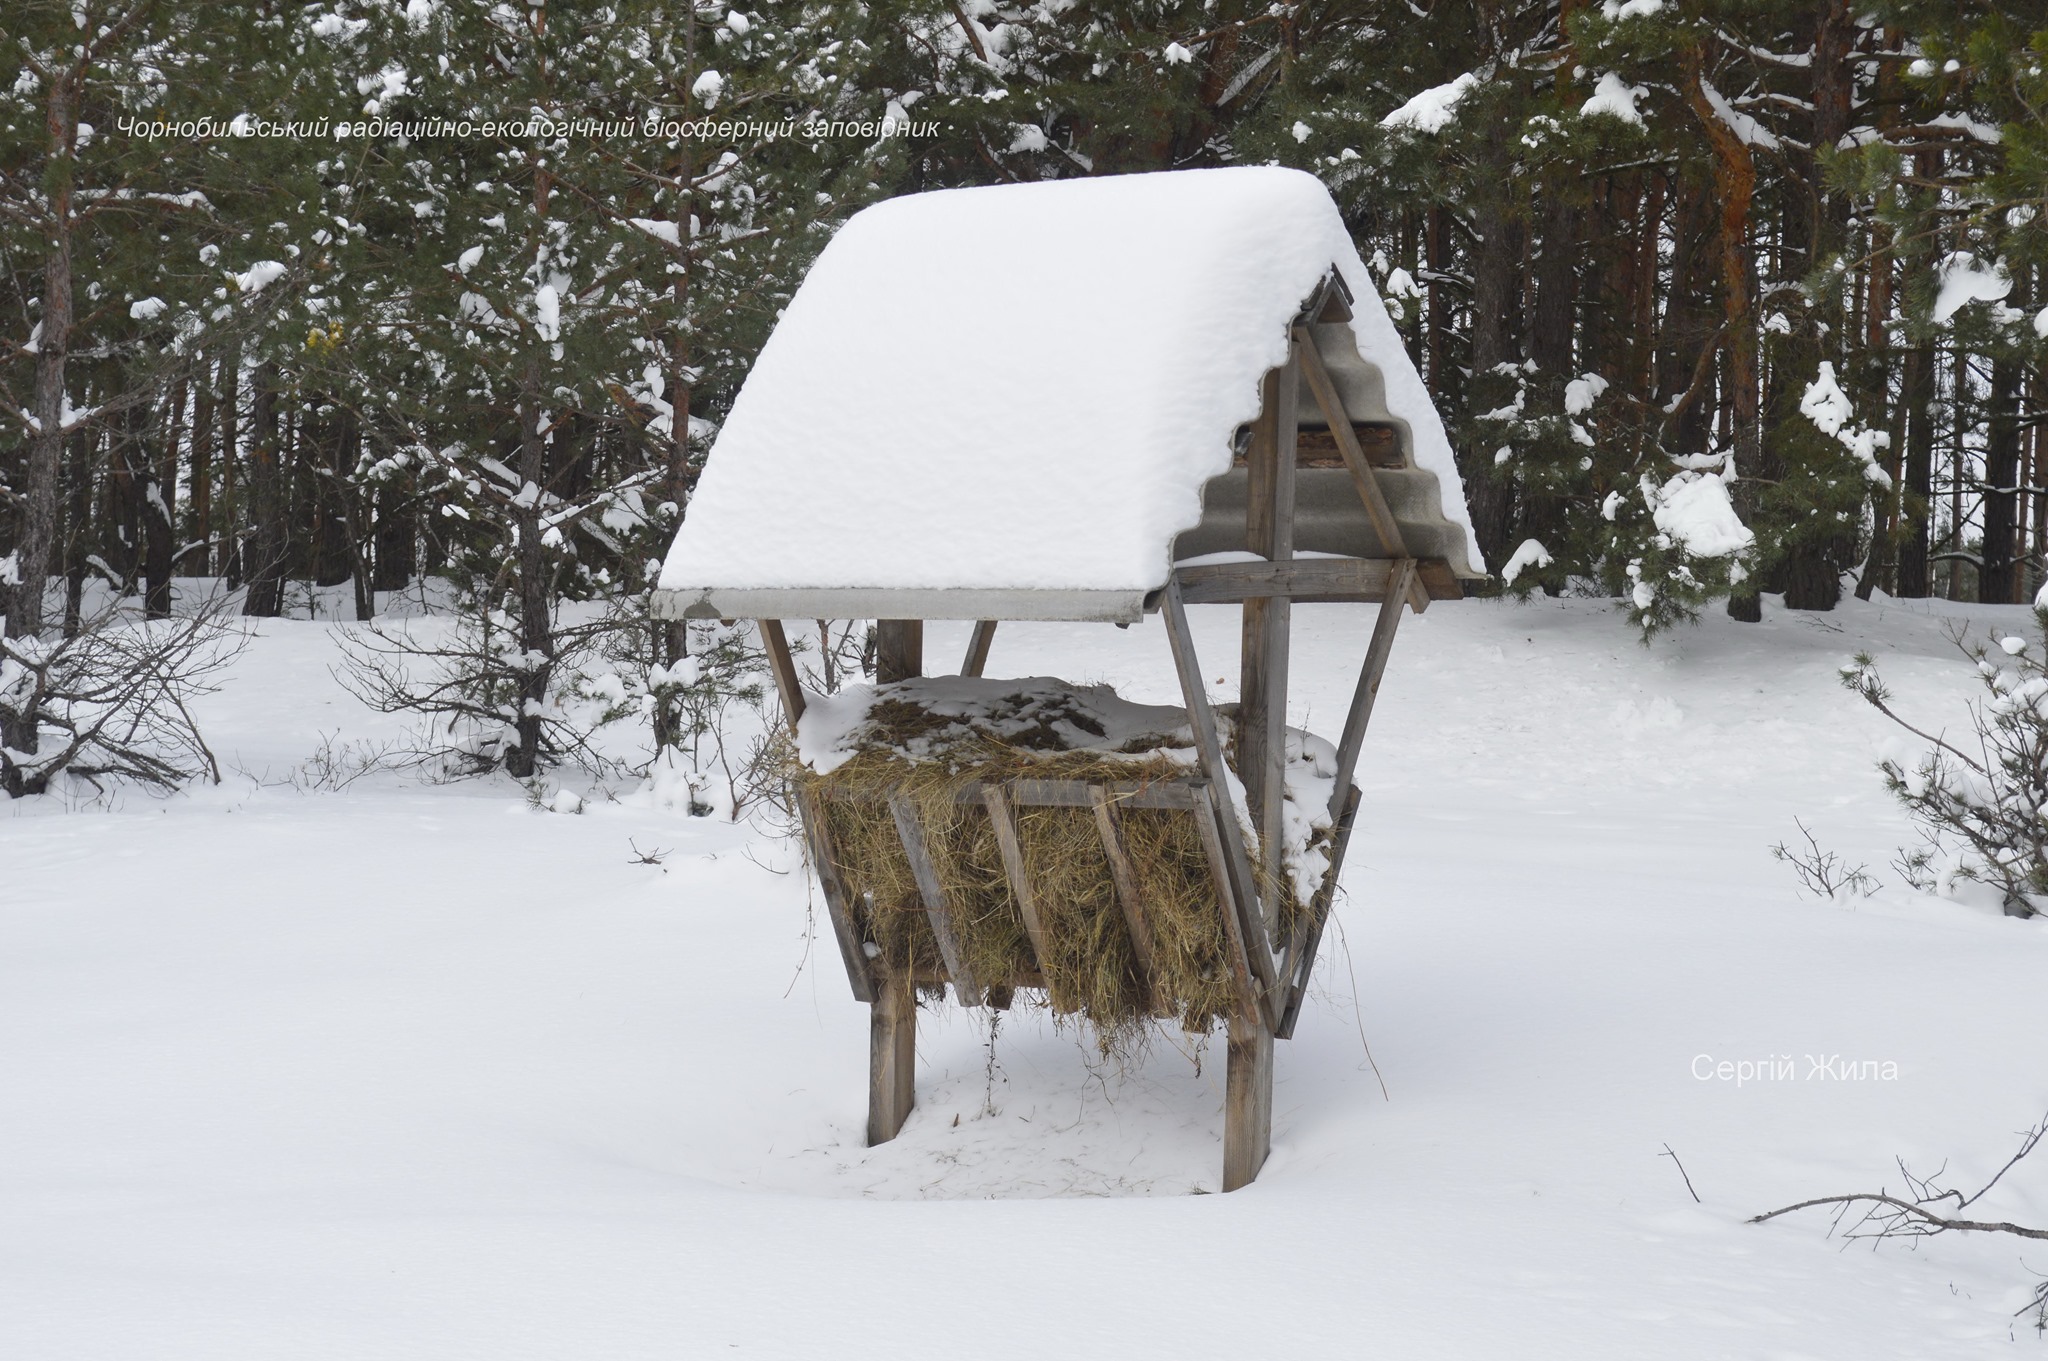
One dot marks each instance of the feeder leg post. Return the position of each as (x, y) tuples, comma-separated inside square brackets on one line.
[(1247, 1101), (892, 1057)]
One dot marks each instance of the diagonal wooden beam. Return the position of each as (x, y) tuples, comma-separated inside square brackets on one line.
[(977, 647), (1370, 673), (784, 666), (1143, 950), (1238, 958), (1324, 390), (938, 907), (838, 900), (1302, 959), (1209, 749), (1003, 819)]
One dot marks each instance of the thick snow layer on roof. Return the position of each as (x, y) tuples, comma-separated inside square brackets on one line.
[(1024, 386)]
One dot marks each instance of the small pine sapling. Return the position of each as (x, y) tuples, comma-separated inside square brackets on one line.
[(1990, 800)]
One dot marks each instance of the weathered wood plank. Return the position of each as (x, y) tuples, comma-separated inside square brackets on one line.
[(1143, 950), (1243, 883), (1003, 820), (978, 644), (784, 666), (892, 1058), (1324, 390), (938, 907), (838, 899), (1247, 1102)]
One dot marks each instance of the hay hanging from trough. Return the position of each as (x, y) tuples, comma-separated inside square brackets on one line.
[(936, 742)]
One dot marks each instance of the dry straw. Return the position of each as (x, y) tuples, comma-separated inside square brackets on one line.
[(1089, 970)]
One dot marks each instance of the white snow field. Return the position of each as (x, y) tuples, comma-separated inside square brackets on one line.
[(417, 1071)]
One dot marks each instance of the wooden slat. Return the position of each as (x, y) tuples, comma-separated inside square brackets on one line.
[(1050, 794), (1370, 674), (1302, 958), (1226, 899), (1076, 794), (1377, 510), (1217, 583), (838, 899), (784, 666), (1143, 951), (977, 647), (938, 908), (1243, 884), (1003, 819)]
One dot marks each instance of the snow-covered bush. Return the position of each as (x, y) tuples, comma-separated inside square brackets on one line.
[(474, 684), (1982, 802)]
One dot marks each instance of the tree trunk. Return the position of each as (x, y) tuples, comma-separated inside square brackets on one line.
[(1495, 269), (158, 497), (1997, 581), (536, 637), (201, 505), (1735, 185), (263, 563), (1918, 398), (35, 533), (77, 531)]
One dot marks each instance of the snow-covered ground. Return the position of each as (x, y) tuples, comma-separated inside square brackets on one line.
[(412, 1070)]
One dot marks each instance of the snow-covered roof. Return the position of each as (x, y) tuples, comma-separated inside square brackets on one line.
[(1005, 402)]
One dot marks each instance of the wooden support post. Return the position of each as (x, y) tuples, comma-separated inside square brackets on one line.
[(977, 647), (1262, 684), (1247, 1101), (892, 1025), (784, 666), (899, 649), (1126, 881), (892, 1058)]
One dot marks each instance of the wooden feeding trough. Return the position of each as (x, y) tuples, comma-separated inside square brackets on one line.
[(1091, 400)]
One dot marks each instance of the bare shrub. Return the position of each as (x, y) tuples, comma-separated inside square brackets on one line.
[(113, 700)]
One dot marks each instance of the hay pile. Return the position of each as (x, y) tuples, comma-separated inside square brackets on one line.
[(932, 738)]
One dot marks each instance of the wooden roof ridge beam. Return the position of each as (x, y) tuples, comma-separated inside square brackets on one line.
[(1324, 390)]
